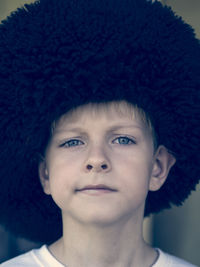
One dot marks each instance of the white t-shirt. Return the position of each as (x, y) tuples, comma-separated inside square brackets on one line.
[(43, 258)]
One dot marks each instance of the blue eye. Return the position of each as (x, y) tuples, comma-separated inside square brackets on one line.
[(72, 142), (123, 140)]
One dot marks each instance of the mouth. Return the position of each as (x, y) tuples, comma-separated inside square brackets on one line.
[(96, 189)]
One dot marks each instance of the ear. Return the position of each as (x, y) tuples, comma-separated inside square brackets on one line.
[(44, 177), (163, 162)]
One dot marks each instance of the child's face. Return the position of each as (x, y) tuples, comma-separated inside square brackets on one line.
[(99, 146)]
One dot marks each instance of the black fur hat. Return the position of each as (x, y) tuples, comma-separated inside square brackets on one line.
[(59, 54)]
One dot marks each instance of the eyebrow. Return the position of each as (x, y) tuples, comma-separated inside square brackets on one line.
[(110, 129)]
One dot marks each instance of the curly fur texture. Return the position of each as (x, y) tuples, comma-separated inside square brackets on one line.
[(56, 55)]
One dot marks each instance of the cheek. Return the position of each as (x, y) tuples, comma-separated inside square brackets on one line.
[(61, 185), (135, 162), (62, 174), (135, 171)]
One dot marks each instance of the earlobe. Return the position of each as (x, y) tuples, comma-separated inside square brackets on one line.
[(44, 177), (163, 162)]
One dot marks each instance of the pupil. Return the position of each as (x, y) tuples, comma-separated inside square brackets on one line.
[(124, 140)]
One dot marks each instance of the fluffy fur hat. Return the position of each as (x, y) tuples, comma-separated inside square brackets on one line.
[(56, 55)]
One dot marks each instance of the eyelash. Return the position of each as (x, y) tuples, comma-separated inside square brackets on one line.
[(128, 141), (67, 143)]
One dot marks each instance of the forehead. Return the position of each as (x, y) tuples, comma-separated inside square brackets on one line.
[(120, 110)]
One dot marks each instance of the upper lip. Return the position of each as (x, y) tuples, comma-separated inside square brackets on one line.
[(99, 186)]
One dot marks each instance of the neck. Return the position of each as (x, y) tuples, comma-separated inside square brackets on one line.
[(120, 245)]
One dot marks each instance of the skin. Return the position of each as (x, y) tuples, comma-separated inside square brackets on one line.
[(97, 144)]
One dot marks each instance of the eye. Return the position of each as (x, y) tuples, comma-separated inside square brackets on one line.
[(124, 140), (71, 143)]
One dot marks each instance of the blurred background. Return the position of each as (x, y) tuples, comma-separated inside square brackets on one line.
[(176, 231)]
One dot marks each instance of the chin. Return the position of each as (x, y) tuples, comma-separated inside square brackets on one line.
[(102, 218)]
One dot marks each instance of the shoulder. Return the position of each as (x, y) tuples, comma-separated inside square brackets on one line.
[(26, 259), (34, 258), (167, 260)]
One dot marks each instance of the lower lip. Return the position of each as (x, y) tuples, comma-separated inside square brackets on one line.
[(96, 192)]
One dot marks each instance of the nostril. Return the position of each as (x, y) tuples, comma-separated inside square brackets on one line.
[(104, 166), (89, 167)]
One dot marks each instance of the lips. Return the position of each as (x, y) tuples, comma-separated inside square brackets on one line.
[(96, 187)]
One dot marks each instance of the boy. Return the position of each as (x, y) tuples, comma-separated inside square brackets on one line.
[(100, 127)]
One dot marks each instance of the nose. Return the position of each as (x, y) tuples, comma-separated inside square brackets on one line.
[(97, 161)]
